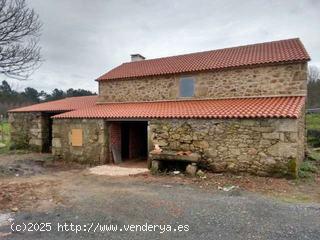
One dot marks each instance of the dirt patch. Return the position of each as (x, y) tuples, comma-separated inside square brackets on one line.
[(5, 158), (32, 181), (277, 187), (23, 165), (280, 188), (43, 183), (22, 168), (32, 164), (41, 195)]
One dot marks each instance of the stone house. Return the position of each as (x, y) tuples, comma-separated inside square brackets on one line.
[(237, 109)]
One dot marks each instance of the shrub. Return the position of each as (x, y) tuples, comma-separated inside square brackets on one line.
[(308, 166), (307, 170), (313, 137)]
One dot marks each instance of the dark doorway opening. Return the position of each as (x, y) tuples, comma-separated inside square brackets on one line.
[(47, 132), (125, 128), (134, 140)]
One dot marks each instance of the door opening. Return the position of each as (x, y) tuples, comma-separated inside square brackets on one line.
[(134, 140), (47, 132)]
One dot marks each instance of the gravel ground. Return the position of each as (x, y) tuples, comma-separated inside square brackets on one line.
[(208, 214)]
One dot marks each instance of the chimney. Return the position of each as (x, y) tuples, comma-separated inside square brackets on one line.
[(137, 57)]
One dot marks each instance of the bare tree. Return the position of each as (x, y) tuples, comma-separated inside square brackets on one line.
[(313, 74), (19, 34), (313, 100)]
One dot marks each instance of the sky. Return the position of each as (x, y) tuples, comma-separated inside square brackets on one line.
[(82, 39)]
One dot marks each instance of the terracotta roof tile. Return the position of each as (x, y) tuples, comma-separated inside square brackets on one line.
[(267, 107), (67, 104), (291, 50)]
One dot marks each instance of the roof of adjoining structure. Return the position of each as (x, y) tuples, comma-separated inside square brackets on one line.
[(283, 51), (264, 107), (67, 104)]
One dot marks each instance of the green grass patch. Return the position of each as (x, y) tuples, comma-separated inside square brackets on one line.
[(4, 137), (297, 198), (314, 156), (313, 141), (313, 121), (313, 127), (4, 150), (4, 128)]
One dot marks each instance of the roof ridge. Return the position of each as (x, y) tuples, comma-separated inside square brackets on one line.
[(274, 52), (213, 50), (95, 95), (63, 99)]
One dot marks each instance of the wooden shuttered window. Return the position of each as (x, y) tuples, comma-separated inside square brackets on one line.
[(76, 137)]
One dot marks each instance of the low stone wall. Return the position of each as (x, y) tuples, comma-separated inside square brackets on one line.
[(95, 140), (28, 130), (258, 146)]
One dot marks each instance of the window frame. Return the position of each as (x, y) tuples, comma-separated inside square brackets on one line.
[(191, 77)]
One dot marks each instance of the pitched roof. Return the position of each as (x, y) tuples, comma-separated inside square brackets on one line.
[(67, 104), (291, 50), (266, 107)]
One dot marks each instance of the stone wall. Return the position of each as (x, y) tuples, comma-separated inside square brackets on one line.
[(258, 146), (95, 141), (288, 79), (28, 130)]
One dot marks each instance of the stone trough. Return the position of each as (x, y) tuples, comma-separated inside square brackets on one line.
[(158, 158)]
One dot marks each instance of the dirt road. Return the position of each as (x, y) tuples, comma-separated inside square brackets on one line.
[(60, 194)]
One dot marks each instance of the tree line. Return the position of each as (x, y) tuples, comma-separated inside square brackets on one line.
[(10, 98), (313, 100)]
